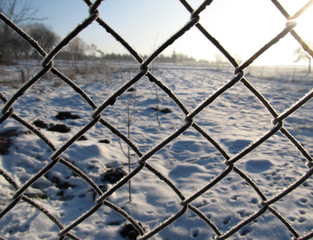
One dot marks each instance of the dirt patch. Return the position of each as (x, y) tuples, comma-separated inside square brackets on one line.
[(6, 140)]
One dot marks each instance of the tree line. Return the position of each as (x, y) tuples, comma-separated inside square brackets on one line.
[(22, 13), (13, 47), (173, 58)]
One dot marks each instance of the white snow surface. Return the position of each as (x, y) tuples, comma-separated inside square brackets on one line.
[(234, 120)]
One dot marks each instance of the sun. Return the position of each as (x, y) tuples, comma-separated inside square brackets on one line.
[(258, 23)]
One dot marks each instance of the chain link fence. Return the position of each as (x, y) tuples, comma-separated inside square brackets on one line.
[(187, 202)]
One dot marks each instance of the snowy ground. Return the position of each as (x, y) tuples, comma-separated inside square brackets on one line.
[(234, 121)]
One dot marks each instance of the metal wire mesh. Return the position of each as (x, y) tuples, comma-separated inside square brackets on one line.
[(143, 163)]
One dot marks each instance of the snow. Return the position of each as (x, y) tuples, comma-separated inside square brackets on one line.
[(235, 120)]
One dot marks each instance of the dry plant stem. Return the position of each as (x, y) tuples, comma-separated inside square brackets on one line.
[(157, 105), (128, 120), (128, 148)]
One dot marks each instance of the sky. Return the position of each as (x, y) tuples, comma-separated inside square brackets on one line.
[(241, 26)]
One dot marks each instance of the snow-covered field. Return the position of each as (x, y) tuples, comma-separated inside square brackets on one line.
[(234, 120)]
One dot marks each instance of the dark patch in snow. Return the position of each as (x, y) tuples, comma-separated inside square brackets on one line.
[(82, 138), (131, 89), (5, 140), (66, 115), (245, 231), (163, 110), (61, 184), (129, 231), (114, 223), (61, 128), (106, 141), (195, 233), (113, 175), (41, 124)]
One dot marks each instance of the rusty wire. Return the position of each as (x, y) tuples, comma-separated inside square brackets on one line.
[(186, 202)]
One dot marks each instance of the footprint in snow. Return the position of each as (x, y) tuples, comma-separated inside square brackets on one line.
[(258, 166), (235, 146), (181, 146)]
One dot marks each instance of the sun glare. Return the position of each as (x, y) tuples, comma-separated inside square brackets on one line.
[(305, 24), (245, 26)]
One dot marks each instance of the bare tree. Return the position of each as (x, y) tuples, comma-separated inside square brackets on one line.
[(77, 49), (306, 54), (46, 38), (19, 12)]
